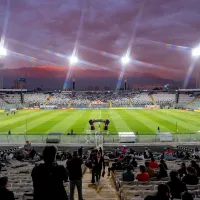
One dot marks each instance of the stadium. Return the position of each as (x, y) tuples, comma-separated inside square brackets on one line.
[(99, 100)]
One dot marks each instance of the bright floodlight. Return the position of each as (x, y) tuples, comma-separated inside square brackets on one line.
[(125, 60), (73, 60), (3, 51), (196, 52)]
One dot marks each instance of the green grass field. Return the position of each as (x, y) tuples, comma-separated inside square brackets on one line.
[(143, 121)]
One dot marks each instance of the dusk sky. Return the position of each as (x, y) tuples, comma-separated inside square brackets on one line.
[(41, 34)]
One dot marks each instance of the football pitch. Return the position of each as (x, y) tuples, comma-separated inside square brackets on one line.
[(62, 121)]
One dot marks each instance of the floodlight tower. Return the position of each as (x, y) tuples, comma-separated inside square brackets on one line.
[(124, 61), (3, 53)]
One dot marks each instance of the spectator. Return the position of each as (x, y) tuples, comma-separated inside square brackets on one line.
[(149, 170), (101, 151), (196, 167), (142, 176), (197, 153), (169, 154), (186, 196), (128, 175), (190, 178), (133, 162), (175, 185), (163, 193), (98, 164), (153, 164), (182, 171), (48, 177), (80, 152), (164, 164), (75, 175), (5, 194), (115, 166), (146, 152), (162, 173)]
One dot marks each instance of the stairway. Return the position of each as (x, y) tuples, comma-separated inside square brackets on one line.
[(110, 104), (193, 100), (70, 103), (48, 99), (89, 105), (104, 191), (130, 102), (152, 99)]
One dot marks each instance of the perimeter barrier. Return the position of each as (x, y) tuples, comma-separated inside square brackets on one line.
[(90, 139)]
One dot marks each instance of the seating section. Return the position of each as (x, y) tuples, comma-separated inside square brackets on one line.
[(141, 100), (35, 98), (59, 99), (185, 99), (91, 99), (139, 190), (12, 98), (164, 99), (195, 104)]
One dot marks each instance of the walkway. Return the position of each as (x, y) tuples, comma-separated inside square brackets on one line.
[(104, 191)]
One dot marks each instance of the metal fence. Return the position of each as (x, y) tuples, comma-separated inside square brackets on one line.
[(90, 139)]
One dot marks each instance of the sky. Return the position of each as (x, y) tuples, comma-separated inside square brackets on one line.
[(158, 36)]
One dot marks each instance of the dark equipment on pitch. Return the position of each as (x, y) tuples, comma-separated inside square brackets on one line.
[(106, 123)]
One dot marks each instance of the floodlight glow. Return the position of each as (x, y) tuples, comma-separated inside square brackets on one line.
[(3, 51), (73, 60), (125, 60), (196, 52)]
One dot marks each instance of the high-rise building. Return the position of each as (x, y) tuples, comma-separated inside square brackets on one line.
[(1, 75)]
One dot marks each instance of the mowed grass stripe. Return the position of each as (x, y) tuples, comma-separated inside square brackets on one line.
[(12, 117), (106, 114), (19, 118), (74, 121), (187, 117), (170, 122), (162, 121), (59, 122), (21, 122), (118, 120), (149, 122), (183, 125), (137, 122), (42, 124)]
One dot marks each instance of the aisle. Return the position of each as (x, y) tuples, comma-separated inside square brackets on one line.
[(105, 189)]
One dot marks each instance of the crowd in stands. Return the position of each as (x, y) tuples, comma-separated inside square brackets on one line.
[(100, 98), (93, 99), (176, 177), (35, 99)]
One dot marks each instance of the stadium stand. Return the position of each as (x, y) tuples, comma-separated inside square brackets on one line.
[(164, 99), (35, 98), (110, 188), (59, 99), (141, 100), (12, 98), (184, 99)]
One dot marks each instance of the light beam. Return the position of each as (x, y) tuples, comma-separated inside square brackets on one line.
[(3, 51)]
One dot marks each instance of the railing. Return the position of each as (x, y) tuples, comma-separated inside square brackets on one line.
[(90, 139)]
